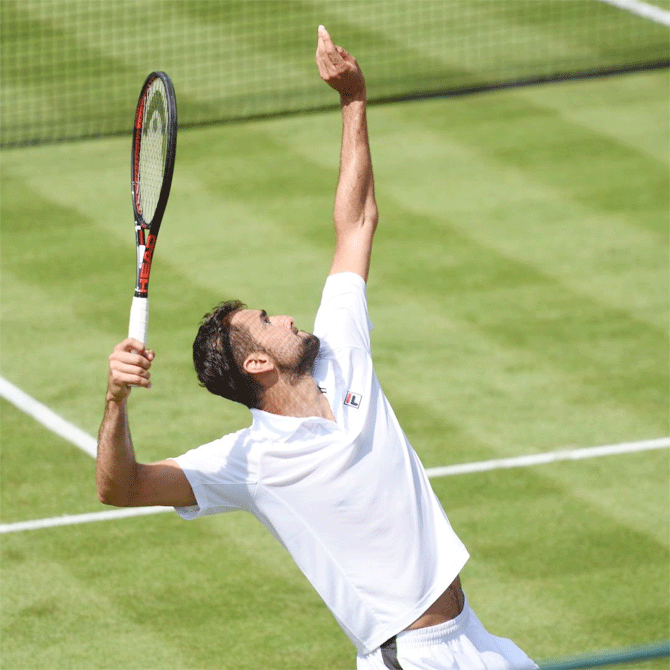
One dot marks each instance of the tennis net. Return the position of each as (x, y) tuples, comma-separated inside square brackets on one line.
[(73, 68)]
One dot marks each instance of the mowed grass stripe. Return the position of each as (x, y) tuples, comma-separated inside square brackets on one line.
[(42, 474), (640, 99), (572, 553), (514, 137), (630, 491), (511, 319), (476, 399), (528, 213), (75, 596)]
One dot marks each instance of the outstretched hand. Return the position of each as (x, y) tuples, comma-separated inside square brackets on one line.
[(129, 366), (338, 68)]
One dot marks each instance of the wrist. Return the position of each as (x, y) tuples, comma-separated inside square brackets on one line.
[(114, 400), (359, 97)]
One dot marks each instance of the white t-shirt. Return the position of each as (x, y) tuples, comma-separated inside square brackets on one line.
[(349, 500)]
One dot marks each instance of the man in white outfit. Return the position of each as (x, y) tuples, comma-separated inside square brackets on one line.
[(324, 465)]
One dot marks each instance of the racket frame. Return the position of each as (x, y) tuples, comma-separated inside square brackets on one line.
[(146, 232)]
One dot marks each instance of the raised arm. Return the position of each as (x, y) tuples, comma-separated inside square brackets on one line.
[(122, 481), (355, 211)]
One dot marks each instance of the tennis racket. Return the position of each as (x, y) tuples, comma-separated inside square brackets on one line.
[(151, 166)]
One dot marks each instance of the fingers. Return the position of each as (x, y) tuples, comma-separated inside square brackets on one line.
[(323, 60), (131, 344), (328, 48), (129, 366), (344, 54), (323, 37), (337, 67), (328, 56)]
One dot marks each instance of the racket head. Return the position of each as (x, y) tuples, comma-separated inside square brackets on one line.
[(153, 150), (152, 160)]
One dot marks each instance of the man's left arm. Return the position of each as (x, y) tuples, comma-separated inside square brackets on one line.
[(355, 211)]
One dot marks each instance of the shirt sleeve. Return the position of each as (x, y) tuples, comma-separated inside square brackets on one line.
[(220, 477), (342, 320)]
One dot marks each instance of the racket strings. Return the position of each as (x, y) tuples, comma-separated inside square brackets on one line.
[(153, 149)]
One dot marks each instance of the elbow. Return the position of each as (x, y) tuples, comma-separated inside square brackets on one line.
[(107, 498), (108, 495), (116, 487)]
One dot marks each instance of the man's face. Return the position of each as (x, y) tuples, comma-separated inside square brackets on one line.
[(292, 350)]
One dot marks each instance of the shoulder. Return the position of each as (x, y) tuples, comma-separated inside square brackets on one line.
[(342, 319), (343, 283)]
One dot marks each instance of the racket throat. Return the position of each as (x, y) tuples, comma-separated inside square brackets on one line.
[(145, 255)]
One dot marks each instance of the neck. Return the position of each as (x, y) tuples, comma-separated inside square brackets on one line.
[(299, 397)]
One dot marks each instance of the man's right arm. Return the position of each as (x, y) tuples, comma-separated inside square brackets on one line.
[(122, 481)]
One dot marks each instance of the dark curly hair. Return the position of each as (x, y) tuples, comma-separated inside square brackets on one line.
[(219, 350)]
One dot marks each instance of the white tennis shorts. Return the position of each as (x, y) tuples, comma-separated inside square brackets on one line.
[(460, 644)]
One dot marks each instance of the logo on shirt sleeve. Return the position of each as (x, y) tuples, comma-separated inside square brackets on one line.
[(353, 400)]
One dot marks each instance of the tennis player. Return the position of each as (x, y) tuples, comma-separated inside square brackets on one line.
[(324, 465)]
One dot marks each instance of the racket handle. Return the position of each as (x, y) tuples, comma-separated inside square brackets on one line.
[(139, 319)]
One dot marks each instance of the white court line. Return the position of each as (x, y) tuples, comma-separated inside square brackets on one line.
[(643, 9), (65, 429), (48, 418), (76, 519), (549, 457)]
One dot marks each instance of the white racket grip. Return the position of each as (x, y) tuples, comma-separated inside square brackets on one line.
[(139, 319)]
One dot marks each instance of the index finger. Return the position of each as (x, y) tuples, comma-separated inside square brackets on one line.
[(327, 45), (133, 345)]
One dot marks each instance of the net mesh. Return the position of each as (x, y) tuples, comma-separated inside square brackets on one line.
[(71, 68)]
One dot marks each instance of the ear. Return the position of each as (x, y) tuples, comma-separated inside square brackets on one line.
[(258, 363)]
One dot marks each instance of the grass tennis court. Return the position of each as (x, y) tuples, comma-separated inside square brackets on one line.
[(519, 294)]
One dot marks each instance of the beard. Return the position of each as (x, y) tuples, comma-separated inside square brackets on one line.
[(304, 365), (310, 351)]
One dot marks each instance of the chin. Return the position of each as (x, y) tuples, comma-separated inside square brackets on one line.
[(311, 346)]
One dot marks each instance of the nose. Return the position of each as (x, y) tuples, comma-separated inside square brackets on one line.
[(286, 321)]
